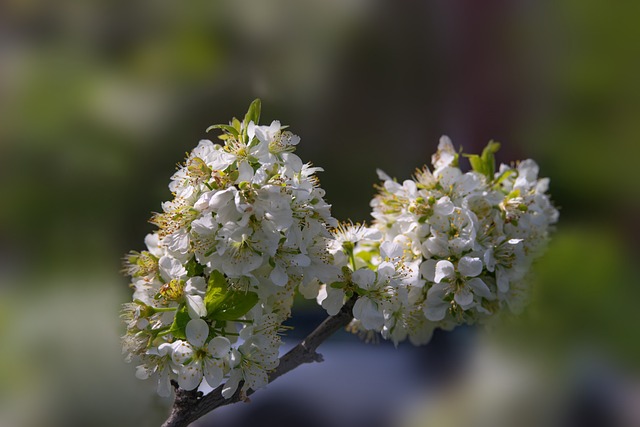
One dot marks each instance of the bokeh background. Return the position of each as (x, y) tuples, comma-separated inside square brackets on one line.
[(100, 99)]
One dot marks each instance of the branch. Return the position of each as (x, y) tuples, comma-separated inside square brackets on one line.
[(191, 405)]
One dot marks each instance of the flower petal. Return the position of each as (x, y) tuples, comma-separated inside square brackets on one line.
[(279, 276), (364, 278), (213, 373), (182, 351), (444, 206), (197, 331), (435, 308), (428, 269), (196, 306), (368, 313), (190, 376), (334, 301), (219, 347), (444, 270), (479, 288), (232, 383), (470, 266), (464, 297), (502, 280)]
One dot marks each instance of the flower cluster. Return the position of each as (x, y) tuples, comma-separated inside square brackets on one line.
[(247, 226), (446, 247)]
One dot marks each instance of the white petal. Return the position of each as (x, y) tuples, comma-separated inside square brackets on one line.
[(489, 259), (255, 377), (222, 198), (502, 280), (446, 153), (301, 260), (436, 246), (164, 383), (386, 271), (444, 206), (197, 332), (182, 351), (435, 308), (293, 161), (368, 313), (444, 269), (464, 297), (390, 250), (195, 285), (142, 372), (467, 183), (190, 376), (279, 276), (470, 266), (164, 349), (171, 268), (251, 130), (309, 290), (196, 306), (334, 301), (245, 171), (364, 278), (231, 385), (428, 269), (219, 347), (479, 288), (382, 176), (234, 358), (213, 373)]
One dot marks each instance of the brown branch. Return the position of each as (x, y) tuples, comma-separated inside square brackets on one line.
[(191, 405)]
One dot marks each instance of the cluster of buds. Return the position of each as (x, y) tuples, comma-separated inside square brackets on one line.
[(248, 227)]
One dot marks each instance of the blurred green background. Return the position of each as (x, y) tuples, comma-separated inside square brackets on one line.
[(99, 100)]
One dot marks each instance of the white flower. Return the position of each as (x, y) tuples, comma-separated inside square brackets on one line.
[(158, 364), (460, 280), (194, 291), (195, 360), (446, 154), (366, 309)]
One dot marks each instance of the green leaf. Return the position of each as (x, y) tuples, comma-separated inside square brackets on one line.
[(489, 159), (226, 304), (217, 290), (227, 128), (485, 163), (236, 305), (194, 268), (476, 163), (504, 176), (180, 322), (253, 115)]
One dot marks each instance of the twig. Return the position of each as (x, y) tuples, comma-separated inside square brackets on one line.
[(191, 405)]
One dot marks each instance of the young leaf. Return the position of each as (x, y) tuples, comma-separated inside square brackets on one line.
[(217, 291), (488, 158), (485, 163), (253, 115), (476, 163), (180, 322), (236, 305), (227, 128), (194, 268)]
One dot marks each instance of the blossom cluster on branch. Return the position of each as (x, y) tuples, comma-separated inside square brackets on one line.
[(248, 227)]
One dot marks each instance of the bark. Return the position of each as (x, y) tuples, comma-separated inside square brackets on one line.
[(191, 405)]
